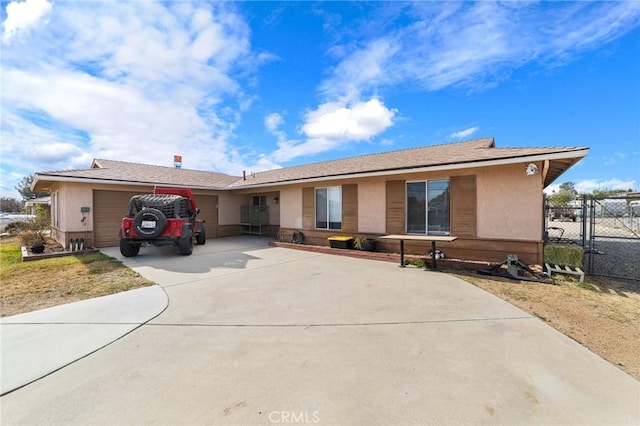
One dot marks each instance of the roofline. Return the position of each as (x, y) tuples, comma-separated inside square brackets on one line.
[(58, 178), (579, 154)]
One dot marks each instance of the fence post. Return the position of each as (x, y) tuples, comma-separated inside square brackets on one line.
[(592, 225), (584, 220)]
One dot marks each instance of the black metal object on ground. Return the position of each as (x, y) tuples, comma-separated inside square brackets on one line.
[(515, 270)]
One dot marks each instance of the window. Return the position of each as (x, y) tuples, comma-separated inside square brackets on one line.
[(329, 208), (56, 210), (428, 207)]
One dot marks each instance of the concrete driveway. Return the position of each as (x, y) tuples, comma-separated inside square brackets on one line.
[(261, 335)]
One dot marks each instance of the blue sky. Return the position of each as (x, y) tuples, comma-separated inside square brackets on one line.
[(252, 86)]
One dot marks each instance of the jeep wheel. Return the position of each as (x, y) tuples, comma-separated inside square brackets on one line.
[(201, 238), (128, 249), (149, 223), (185, 244)]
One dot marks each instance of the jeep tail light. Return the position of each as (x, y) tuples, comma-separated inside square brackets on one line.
[(177, 228)]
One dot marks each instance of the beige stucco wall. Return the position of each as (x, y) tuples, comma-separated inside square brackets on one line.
[(372, 206), (274, 209), (229, 208), (509, 203), (73, 196), (231, 202), (291, 207)]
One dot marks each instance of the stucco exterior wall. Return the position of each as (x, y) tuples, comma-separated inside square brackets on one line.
[(73, 196), (291, 207), (230, 204), (229, 208), (371, 206), (510, 203)]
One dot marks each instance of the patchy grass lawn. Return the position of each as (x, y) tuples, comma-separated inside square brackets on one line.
[(27, 286), (601, 314)]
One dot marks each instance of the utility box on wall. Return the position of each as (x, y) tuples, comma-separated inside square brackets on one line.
[(85, 209)]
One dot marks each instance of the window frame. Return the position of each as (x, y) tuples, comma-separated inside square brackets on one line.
[(426, 211), (56, 209), (327, 208)]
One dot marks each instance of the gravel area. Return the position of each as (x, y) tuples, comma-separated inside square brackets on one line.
[(616, 258), (616, 244)]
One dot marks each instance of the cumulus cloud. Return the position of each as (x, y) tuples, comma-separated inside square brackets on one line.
[(23, 16), (464, 133), (53, 153), (358, 121), (336, 123), (142, 81)]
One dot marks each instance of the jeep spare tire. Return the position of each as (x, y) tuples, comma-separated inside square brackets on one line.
[(149, 223)]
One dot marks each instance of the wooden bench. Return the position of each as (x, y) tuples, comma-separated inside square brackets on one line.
[(429, 238), (561, 269)]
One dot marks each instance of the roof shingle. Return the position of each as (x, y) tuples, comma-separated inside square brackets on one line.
[(478, 150)]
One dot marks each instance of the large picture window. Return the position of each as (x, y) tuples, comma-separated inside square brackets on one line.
[(428, 207), (329, 208)]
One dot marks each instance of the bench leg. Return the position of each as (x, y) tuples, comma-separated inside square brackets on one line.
[(433, 256)]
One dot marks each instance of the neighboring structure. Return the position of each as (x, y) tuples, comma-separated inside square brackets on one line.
[(490, 198), (32, 203)]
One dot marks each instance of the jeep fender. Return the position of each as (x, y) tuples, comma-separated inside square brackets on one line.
[(186, 227)]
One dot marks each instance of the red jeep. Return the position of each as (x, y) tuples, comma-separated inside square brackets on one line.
[(166, 217)]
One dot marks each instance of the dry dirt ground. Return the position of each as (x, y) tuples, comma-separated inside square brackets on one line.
[(601, 314)]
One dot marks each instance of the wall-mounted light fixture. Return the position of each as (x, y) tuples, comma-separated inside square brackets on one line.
[(532, 169), (276, 200)]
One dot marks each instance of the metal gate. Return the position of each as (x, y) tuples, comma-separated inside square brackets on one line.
[(607, 228)]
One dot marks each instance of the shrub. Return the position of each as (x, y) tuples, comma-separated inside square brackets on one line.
[(14, 228), (564, 254)]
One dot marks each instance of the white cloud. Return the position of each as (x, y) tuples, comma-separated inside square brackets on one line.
[(141, 81), (273, 121), (365, 68), (335, 123), (471, 45), (23, 16), (54, 153), (354, 122), (464, 133)]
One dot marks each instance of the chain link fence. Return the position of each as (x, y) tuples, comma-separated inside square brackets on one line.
[(607, 228)]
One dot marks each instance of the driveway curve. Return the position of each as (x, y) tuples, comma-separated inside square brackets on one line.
[(38, 343), (261, 335)]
